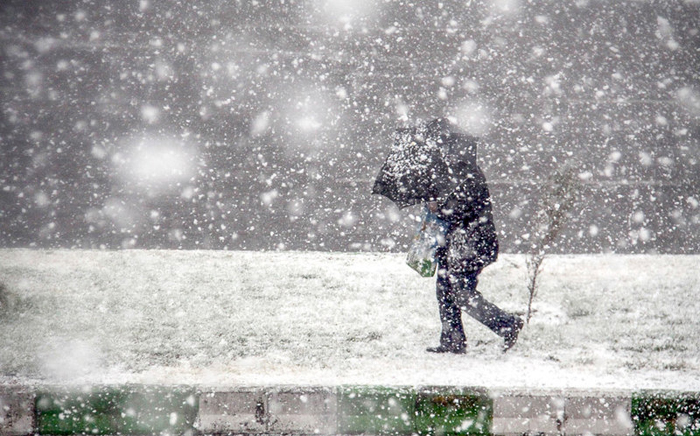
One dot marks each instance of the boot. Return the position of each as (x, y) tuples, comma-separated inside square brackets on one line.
[(454, 343), (443, 348), (511, 335)]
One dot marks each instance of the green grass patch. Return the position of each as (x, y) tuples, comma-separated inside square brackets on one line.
[(403, 411), (376, 410), (661, 414), (450, 411), (116, 410)]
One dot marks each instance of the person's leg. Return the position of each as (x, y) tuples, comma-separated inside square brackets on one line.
[(452, 338), (471, 301), (452, 335)]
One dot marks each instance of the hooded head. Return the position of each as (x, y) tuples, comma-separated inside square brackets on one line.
[(457, 148)]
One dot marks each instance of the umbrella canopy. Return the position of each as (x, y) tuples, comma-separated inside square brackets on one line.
[(425, 163)]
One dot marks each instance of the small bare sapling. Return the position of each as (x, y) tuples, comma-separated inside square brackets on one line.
[(563, 188)]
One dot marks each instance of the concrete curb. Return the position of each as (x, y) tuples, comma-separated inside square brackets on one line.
[(17, 411), (579, 413), (292, 410)]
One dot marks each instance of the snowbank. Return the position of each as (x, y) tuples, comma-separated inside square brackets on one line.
[(217, 318)]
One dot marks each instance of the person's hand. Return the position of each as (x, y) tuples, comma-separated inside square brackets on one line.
[(432, 206)]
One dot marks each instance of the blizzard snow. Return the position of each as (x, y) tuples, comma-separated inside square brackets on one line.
[(220, 318)]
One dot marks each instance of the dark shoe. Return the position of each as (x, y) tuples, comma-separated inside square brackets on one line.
[(447, 349), (511, 336)]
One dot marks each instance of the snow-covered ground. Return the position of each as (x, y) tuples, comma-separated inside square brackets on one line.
[(219, 318)]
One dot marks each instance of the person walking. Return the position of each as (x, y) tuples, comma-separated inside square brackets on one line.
[(432, 164), (471, 244)]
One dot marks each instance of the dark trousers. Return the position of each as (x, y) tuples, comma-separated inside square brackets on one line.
[(456, 293)]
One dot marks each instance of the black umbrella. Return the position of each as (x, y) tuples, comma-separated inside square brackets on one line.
[(426, 163)]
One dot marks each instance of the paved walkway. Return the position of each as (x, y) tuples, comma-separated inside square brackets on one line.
[(141, 410)]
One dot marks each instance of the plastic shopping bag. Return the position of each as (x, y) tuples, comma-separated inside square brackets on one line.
[(421, 253)]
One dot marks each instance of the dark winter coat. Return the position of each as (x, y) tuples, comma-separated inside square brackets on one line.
[(471, 242)]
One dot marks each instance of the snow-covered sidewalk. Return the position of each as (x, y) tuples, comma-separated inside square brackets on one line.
[(216, 318)]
